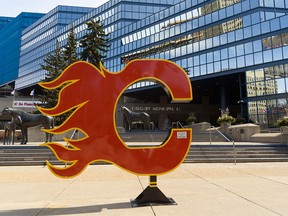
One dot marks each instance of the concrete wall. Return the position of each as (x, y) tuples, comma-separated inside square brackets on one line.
[(35, 134), (242, 132)]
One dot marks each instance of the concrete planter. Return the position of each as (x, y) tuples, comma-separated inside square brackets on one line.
[(284, 129)]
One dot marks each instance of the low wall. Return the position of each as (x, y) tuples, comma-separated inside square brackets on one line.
[(35, 134), (199, 127), (242, 132), (269, 138), (17, 135)]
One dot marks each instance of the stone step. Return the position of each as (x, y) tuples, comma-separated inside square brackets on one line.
[(37, 155), (40, 163)]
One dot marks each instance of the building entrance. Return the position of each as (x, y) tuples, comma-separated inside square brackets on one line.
[(210, 95)]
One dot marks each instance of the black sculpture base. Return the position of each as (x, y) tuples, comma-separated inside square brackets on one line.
[(152, 196)]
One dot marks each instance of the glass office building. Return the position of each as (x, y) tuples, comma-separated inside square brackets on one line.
[(5, 20), (234, 51), (10, 37), (39, 39)]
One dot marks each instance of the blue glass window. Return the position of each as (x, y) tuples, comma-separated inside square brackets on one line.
[(240, 49), (285, 52), (225, 65), (267, 56), (247, 32), (196, 60), (248, 47), (283, 21), (232, 63), (275, 24), (269, 3), (256, 30), (224, 54), (240, 61), (217, 66), (203, 70), (249, 59), (209, 57), (277, 54), (257, 46), (265, 27), (216, 41), (203, 59), (245, 5), (246, 20), (210, 68), (239, 34), (223, 39), (196, 71), (255, 18), (232, 52), (216, 55)]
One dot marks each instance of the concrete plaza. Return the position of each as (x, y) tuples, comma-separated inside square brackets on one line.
[(198, 189)]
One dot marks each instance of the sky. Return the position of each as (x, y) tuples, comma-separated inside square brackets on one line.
[(12, 8)]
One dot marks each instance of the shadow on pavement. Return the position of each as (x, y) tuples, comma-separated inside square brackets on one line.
[(66, 211)]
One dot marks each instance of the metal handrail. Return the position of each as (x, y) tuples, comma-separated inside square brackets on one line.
[(179, 123), (73, 134), (71, 138), (227, 139)]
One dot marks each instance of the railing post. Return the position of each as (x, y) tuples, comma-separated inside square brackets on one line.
[(210, 136), (234, 150)]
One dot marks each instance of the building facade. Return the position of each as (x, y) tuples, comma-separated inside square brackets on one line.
[(234, 51), (39, 39), (5, 20), (10, 37)]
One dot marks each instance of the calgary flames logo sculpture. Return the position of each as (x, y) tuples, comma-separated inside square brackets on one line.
[(93, 95)]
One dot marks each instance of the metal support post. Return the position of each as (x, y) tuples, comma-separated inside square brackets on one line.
[(152, 195)]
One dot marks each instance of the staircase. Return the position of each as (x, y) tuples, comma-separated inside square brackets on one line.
[(26, 156), (160, 136), (37, 155), (248, 153)]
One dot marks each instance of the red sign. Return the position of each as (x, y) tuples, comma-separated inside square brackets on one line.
[(94, 95)]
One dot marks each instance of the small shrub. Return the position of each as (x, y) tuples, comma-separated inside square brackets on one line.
[(225, 118), (282, 122), (240, 120), (191, 119)]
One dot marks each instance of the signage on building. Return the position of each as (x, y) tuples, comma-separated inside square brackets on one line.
[(25, 104), (156, 108)]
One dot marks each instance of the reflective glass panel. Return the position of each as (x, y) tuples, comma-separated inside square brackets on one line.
[(258, 58), (248, 48), (280, 86), (247, 32), (240, 61), (256, 30), (267, 56), (249, 60), (277, 54), (240, 49)]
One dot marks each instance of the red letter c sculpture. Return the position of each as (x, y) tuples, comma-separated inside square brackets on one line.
[(93, 95)]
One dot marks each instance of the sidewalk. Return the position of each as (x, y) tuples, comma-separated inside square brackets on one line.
[(198, 189)]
